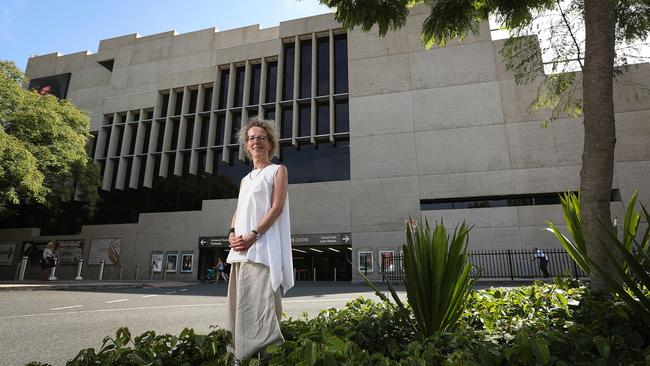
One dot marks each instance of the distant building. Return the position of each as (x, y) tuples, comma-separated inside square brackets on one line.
[(374, 130)]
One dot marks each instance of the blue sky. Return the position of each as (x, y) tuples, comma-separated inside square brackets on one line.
[(38, 27)]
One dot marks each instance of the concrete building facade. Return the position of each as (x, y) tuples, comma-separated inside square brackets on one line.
[(438, 134)]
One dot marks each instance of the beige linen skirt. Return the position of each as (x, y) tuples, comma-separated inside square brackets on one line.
[(254, 309)]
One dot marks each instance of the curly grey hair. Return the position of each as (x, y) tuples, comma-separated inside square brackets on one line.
[(269, 128)]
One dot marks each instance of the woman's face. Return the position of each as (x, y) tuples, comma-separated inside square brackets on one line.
[(257, 143)]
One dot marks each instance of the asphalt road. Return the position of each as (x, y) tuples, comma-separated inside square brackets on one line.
[(53, 326)]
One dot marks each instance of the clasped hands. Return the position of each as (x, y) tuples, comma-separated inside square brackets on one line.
[(240, 243)]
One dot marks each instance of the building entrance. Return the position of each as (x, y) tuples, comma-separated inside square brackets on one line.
[(331, 263), (208, 259)]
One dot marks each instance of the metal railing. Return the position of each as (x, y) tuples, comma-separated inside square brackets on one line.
[(505, 263)]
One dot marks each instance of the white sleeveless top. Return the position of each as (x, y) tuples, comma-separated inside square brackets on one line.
[(273, 248)]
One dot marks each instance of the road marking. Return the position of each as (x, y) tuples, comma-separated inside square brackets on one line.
[(120, 300), (159, 307), (183, 290), (67, 307), (170, 292), (150, 295)]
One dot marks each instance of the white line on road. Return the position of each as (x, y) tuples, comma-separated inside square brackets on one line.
[(159, 307), (120, 300), (150, 295), (67, 307), (183, 290)]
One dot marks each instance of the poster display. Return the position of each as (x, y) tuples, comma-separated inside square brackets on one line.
[(7, 252), (187, 262), (156, 262), (171, 263), (69, 251), (107, 250)]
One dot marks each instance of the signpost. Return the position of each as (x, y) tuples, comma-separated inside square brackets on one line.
[(297, 240)]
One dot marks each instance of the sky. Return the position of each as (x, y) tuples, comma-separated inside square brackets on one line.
[(39, 27)]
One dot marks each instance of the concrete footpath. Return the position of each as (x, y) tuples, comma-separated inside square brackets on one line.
[(87, 285)]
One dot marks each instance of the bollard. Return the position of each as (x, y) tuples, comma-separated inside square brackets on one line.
[(23, 266), (151, 272), (101, 270), (334, 274), (314, 274), (53, 271), (121, 270), (79, 267), (137, 271)]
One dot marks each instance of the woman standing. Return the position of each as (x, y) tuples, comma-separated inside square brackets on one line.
[(221, 271), (260, 243)]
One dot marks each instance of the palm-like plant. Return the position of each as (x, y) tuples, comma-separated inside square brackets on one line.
[(437, 275), (631, 269)]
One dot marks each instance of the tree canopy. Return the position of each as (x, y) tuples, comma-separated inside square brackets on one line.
[(43, 157)]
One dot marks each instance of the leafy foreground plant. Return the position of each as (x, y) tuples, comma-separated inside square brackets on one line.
[(437, 276), (630, 268)]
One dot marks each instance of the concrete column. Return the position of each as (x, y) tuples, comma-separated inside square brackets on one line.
[(245, 101), (230, 101), (124, 151), (212, 130), (153, 138), (314, 74), (278, 87), (260, 110), (137, 160), (331, 86), (196, 138), (296, 90), (112, 149), (182, 132), (167, 137)]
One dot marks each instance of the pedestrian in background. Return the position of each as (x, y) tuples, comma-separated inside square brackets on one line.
[(543, 261)]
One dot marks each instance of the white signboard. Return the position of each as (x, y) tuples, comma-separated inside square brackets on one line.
[(107, 250), (7, 252)]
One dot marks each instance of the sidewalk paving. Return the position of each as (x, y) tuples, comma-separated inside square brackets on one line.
[(87, 285)]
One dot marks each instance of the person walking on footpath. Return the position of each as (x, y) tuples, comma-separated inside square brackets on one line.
[(260, 242), (48, 260), (221, 271), (543, 261)]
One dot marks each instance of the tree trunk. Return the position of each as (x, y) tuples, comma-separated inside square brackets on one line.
[(600, 133)]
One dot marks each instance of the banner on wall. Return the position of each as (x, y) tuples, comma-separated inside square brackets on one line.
[(69, 251), (107, 250), (7, 252)]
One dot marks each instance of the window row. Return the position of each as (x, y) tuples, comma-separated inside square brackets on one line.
[(307, 163), (218, 129)]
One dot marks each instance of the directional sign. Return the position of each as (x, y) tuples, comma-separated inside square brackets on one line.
[(213, 241)]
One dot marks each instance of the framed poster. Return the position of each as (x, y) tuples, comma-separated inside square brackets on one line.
[(69, 251), (386, 260), (187, 262), (156, 262), (7, 252), (365, 261), (107, 250), (171, 262)]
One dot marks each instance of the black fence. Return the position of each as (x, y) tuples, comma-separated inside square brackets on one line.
[(506, 263)]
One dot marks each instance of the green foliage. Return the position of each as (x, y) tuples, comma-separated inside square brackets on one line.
[(43, 156), (630, 268), (437, 276)]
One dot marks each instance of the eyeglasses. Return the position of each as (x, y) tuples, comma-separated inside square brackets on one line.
[(258, 138)]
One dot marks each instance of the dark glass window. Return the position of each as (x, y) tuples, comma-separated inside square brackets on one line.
[(233, 171), (341, 116), (143, 170), (305, 69), (223, 90), (134, 130), (179, 103), (304, 120), (341, 63), (149, 114), (147, 137), (107, 141), (286, 122), (207, 100), (323, 163), (271, 81), (239, 86), (171, 163), (287, 71), (114, 176), (127, 176), (269, 113), (194, 97), (205, 128), (322, 119), (161, 135), (135, 117), (156, 165), (323, 68), (175, 127), (256, 74), (236, 125), (164, 106), (186, 163), (118, 149), (221, 127), (201, 157), (189, 134)]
